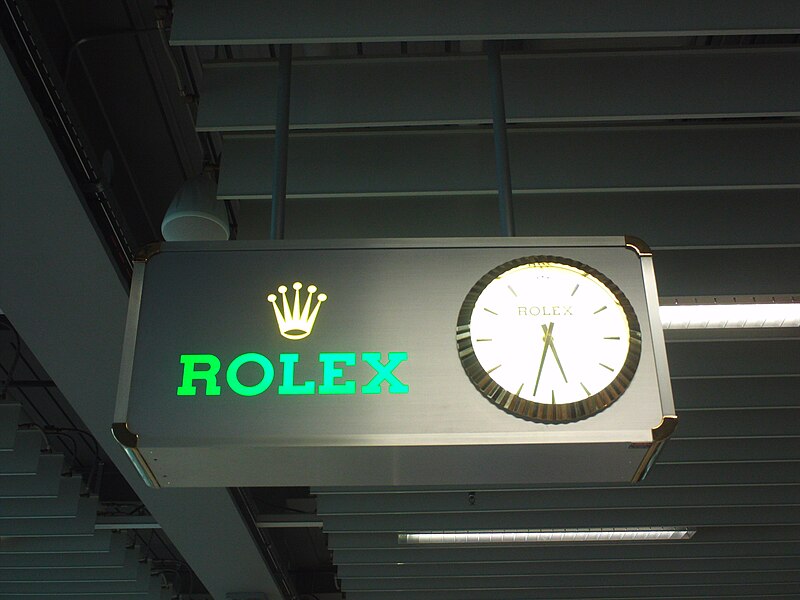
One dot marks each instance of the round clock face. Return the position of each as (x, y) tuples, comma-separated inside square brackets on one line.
[(548, 338)]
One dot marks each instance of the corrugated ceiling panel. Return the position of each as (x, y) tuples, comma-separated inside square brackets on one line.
[(24, 458), (542, 160), (577, 87), (9, 415), (206, 22)]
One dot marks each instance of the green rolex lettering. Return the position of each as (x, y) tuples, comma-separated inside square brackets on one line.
[(237, 386), (192, 374), (384, 372), (288, 386), (330, 372)]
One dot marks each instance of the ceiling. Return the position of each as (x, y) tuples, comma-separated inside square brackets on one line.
[(676, 122)]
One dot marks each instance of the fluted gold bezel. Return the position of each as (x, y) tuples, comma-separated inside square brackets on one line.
[(537, 411)]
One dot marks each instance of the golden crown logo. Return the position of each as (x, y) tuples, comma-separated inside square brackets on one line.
[(294, 323)]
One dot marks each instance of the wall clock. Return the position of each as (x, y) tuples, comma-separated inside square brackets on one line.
[(548, 339)]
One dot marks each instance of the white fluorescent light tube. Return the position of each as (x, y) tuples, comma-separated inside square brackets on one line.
[(635, 534), (729, 315)]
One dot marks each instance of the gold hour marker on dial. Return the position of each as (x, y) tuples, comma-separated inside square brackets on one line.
[(601, 309), (577, 285), (484, 340), (494, 368), (512, 291), (519, 391), (606, 366), (612, 337), (585, 389), (490, 311), (553, 395)]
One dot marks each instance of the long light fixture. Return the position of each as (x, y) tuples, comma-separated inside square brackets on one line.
[(730, 312), (536, 536)]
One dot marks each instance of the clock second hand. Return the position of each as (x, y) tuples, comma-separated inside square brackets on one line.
[(544, 354)]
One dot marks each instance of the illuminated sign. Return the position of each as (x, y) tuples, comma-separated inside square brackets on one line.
[(203, 369), (295, 322), (337, 363)]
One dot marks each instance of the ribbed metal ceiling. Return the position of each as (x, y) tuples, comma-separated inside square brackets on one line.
[(49, 547), (680, 139)]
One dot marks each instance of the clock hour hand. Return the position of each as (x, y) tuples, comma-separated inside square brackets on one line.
[(544, 354)]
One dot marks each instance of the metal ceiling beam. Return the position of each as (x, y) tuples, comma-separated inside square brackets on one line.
[(662, 219), (735, 359), (572, 554), (736, 271), (77, 336), (575, 582), (126, 523), (564, 88), (735, 392), (687, 593), (309, 21), (598, 499), (657, 516), (656, 158), (766, 449), (675, 566)]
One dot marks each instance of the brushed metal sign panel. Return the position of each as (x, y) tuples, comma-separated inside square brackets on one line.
[(382, 297)]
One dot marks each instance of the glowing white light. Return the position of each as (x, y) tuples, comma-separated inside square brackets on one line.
[(546, 535), (729, 316)]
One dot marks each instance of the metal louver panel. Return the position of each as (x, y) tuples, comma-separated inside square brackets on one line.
[(44, 484), (49, 544), (542, 160), (112, 555), (424, 91), (155, 594), (9, 415), (64, 505), (141, 581), (125, 571), (80, 523), (24, 458), (305, 21), (98, 543)]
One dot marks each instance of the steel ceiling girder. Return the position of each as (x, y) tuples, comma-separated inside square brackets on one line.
[(561, 88), (205, 22)]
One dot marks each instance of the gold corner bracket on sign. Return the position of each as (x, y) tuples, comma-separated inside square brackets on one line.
[(129, 442), (147, 252), (637, 245), (661, 434)]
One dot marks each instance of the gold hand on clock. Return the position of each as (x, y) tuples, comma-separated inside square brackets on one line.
[(547, 331), (549, 336)]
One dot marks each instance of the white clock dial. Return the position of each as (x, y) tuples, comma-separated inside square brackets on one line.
[(551, 332)]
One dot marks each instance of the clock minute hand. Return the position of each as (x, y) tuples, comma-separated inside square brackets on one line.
[(544, 354), (555, 355)]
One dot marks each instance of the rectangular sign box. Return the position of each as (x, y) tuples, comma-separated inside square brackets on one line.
[(394, 362)]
